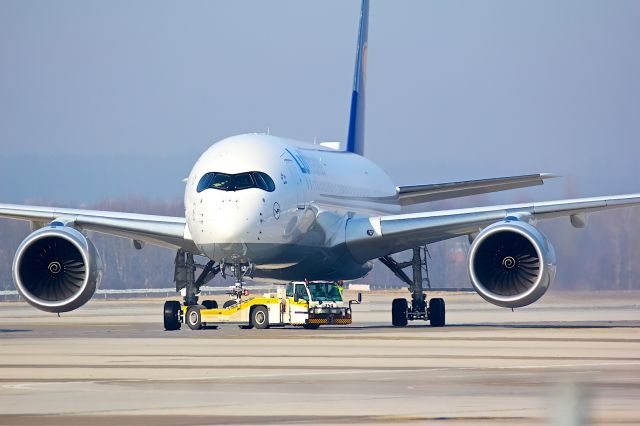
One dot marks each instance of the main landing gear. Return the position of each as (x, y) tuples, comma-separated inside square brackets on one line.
[(401, 310), (185, 279)]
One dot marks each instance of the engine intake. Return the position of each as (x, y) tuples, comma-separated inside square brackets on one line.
[(57, 269), (511, 264)]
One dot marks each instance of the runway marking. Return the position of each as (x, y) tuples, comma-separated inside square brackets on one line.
[(409, 370), (299, 373), (463, 376), (303, 373), (35, 385)]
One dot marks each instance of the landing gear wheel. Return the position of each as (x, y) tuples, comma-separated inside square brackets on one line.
[(260, 317), (399, 312), (171, 311), (210, 304), (311, 326), (229, 303), (436, 312), (193, 317)]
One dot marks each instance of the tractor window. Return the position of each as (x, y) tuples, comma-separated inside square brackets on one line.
[(289, 290), (325, 291), (301, 292)]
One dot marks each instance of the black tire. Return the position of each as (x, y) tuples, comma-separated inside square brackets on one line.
[(259, 317), (311, 326), (210, 304), (437, 312), (171, 311), (229, 303), (399, 312), (193, 318)]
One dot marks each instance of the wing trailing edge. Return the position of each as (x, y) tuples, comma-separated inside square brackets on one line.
[(166, 231), (416, 194), (373, 237)]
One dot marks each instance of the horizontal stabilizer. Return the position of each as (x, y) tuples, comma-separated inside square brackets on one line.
[(416, 194)]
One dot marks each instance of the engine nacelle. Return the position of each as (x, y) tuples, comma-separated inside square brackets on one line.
[(57, 269), (511, 264)]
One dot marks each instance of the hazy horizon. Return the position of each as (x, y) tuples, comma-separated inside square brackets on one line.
[(115, 99)]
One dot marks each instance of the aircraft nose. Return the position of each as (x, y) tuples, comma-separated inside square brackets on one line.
[(236, 218)]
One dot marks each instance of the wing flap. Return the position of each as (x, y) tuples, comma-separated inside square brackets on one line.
[(416, 194), (370, 238)]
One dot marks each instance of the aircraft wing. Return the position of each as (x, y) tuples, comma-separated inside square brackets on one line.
[(416, 194), (166, 231), (374, 237)]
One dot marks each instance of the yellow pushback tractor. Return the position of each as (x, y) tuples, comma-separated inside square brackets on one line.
[(309, 304)]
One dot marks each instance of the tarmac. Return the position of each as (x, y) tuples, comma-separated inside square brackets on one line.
[(571, 357)]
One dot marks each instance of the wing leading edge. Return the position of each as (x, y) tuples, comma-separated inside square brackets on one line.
[(166, 231), (371, 238), (416, 194)]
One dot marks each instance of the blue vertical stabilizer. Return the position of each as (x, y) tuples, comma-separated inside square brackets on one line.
[(355, 139)]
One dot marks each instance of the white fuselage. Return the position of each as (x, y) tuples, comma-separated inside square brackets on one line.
[(297, 230)]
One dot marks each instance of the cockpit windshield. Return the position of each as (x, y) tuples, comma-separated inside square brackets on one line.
[(220, 181), (323, 292), (237, 182)]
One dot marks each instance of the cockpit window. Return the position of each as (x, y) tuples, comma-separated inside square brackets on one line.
[(264, 181), (237, 182), (205, 181), (243, 181), (220, 181)]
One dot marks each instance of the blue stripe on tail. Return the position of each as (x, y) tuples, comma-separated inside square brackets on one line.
[(355, 139)]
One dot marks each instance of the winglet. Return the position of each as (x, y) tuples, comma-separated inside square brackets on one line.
[(355, 138), (544, 176)]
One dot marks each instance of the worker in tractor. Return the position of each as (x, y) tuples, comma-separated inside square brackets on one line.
[(334, 293)]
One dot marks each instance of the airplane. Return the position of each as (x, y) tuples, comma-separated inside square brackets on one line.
[(279, 210)]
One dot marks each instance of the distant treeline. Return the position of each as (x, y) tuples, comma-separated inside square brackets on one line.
[(602, 256)]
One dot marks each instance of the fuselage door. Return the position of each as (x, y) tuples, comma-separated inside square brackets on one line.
[(298, 310), (293, 179)]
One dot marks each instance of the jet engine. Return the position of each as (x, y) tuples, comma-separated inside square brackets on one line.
[(511, 264), (57, 269)]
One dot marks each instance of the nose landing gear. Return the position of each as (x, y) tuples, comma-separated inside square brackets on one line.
[(239, 271)]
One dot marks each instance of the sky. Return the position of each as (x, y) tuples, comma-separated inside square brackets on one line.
[(117, 99)]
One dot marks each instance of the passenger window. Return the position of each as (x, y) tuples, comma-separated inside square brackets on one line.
[(205, 181), (289, 290), (301, 292), (243, 181), (220, 181)]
